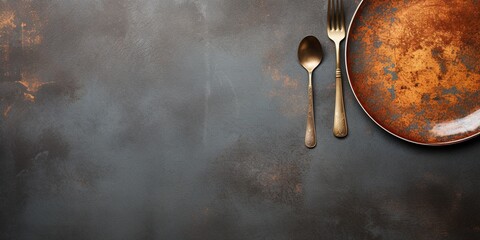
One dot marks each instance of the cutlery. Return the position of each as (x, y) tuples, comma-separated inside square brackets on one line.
[(310, 56), (336, 32)]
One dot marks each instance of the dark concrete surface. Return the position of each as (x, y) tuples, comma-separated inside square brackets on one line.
[(184, 119)]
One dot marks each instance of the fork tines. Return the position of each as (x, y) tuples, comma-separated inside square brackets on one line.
[(336, 17)]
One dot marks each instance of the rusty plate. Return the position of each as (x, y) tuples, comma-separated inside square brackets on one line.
[(414, 67)]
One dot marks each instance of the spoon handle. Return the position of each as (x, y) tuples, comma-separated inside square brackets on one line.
[(310, 134)]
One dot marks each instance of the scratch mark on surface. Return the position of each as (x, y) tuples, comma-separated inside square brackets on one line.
[(205, 121), (234, 92)]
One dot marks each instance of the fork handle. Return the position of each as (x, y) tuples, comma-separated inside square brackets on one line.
[(340, 120), (310, 133)]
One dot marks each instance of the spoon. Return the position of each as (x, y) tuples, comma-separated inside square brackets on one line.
[(310, 55)]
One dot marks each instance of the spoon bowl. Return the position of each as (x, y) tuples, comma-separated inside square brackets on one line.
[(310, 53), (310, 56)]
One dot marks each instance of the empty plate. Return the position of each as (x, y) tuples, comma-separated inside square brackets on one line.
[(414, 67)]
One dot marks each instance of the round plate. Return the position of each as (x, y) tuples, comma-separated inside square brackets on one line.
[(414, 67)]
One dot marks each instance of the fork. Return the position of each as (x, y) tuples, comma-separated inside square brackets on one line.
[(336, 32)]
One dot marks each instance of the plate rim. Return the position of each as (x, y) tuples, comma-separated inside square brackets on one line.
[(354, 17)]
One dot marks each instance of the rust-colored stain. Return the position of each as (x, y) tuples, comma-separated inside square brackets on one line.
[(7, 27), (286, 90), (29, 97), (414, 67), (21, 37), (289, 91), (262, 175), (6, 111), (7, 20), (32, 85)]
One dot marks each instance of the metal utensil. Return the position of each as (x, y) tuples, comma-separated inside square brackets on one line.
[(336, 32), (310, 56)]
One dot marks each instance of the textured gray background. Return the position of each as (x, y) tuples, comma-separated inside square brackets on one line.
[(184, 119)]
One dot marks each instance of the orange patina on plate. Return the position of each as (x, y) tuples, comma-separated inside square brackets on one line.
[(414, 67)]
